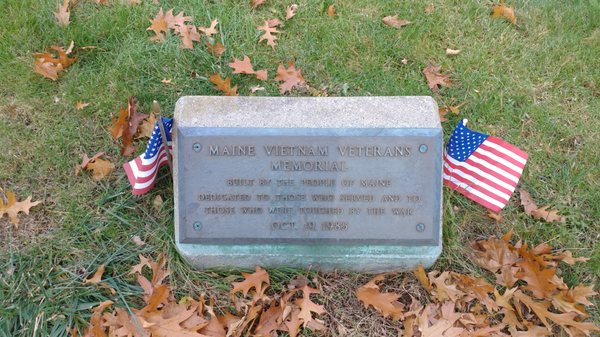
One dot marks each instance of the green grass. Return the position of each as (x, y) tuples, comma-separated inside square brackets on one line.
[(535, 85)]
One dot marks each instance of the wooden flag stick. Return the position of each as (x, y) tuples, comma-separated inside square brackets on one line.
[(163, 135)]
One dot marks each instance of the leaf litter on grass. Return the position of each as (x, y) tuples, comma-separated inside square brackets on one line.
[(535, 301)]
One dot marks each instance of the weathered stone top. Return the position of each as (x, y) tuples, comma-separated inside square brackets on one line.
[(303, 112)]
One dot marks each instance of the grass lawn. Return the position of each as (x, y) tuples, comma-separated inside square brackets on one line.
[(535, 84)]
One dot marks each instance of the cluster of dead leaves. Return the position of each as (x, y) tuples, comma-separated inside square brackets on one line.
[(12, 207), (131, 124), (535, 301), (162, 23), (539, 212), (255, 314), (99, 167), (51, 63)]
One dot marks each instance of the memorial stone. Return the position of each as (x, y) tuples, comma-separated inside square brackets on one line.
[(338, 182)]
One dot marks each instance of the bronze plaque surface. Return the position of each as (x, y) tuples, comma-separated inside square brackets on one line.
[(254, 185)]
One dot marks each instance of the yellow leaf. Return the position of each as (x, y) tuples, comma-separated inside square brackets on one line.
[(508, 13)]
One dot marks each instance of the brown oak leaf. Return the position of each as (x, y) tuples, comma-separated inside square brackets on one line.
[(50, 65), (538, 212), (386, 303), (85, 161), (209, 31), (254, 280), (223, 85), (245, 67), (81, 105), (188, 34), (100, 168), (290, 11), (176, 21), (435, 78), (291, 77), (13, 207), (331, 10), (159, 26), (62, 14), (268, 34), (216, 49)]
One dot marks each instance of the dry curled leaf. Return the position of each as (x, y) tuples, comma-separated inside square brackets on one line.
[(97, 277), (393, 21), (291, 77), (331, 10), (85, 161), (50, 64), (450, 52), (502, 10), (254, 280), (13, 207), (435, 78), (223, 85)]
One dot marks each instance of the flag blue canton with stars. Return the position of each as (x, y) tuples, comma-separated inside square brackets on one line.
[(464, 142)]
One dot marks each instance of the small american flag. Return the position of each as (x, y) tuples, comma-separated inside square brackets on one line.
[(142, 170), (483, 168)]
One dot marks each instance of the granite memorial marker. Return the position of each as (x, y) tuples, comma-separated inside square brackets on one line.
[(351, 183)]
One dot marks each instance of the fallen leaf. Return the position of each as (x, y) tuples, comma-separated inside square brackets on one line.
[(159, 26), (157, 202), (217, 49), (254, 280), (422, 277), (404, 61), (209, 31), (85, 161), (166, 81), (176, 21), (223, 85), (245, 67), (47, 68), (256, 3), (81, 105), (386, 303), (452, 51), (188, 34), (119, 124), (508, 13), (49, 65), (539, 212), (138, 241), (435, 78), (242, 66), (97, 277), (100, 168), (393, 21), (331, 10), (62, 14), (291, 77), (256, 88), (268, 34), (443, 111), (13, 207), (290, 11)]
